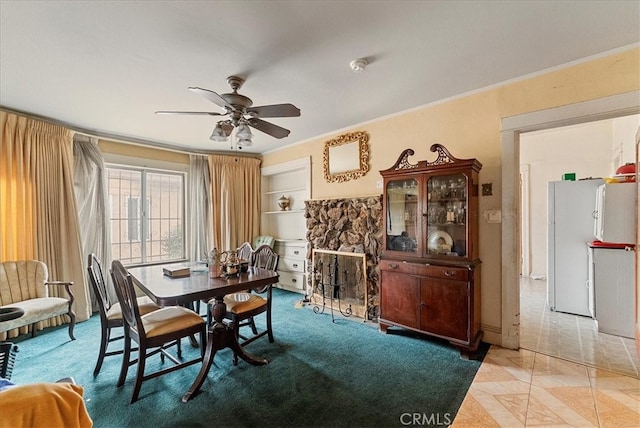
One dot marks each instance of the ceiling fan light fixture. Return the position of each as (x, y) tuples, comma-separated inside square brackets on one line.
[(218, 134), (244, 142), (243, 132)]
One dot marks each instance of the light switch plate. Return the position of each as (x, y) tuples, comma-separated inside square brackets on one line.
[(493, 216)]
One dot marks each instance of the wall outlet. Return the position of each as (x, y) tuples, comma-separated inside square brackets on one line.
[(379, 184)]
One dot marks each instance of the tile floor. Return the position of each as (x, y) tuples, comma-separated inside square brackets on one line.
[(571, 376), (571, 337), (524, 389)]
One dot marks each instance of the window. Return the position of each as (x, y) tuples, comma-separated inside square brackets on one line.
[(146, 214)]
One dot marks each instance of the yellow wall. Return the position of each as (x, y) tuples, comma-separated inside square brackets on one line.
[(470, 128)]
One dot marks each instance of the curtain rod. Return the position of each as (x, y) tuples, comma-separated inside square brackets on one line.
[(129, 140)]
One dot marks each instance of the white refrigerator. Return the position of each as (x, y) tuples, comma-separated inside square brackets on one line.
[(570, 227)]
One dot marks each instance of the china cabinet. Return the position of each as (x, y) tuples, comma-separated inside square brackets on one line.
[(430, 271)]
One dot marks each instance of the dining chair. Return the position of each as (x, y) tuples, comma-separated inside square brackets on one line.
[(265, 257), (244, 251), (242, 307), (154, 332), (110, 312)]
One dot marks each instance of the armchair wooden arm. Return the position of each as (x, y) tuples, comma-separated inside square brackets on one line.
[(67, 287)]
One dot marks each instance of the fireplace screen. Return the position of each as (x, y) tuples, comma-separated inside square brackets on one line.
[(339, 280)]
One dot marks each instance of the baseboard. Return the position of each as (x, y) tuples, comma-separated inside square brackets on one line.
[(492, 335)]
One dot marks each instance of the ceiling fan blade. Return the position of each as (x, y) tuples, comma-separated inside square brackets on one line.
[(213, 97), (268, 128), (274, 110), (208, 113)]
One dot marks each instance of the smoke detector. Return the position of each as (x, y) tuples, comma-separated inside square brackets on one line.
[(358, 65)]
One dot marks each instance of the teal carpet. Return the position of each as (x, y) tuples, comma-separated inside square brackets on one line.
[(320, 374)]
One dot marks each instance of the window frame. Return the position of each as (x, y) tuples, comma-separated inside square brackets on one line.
[(144, 234)]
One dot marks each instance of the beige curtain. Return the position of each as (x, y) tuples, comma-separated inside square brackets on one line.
[(16, 192), (235, 190), (199, 207), (39, 217)]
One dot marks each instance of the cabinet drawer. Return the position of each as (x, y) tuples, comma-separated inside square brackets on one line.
[(291, 265), (290, 250), (292, 279), (444, 272)]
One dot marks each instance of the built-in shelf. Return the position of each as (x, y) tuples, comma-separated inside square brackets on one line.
[(283, 212), (293, 180), (293, 189)]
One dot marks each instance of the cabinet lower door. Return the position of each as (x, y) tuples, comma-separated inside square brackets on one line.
[(398, 296), (444, 308)]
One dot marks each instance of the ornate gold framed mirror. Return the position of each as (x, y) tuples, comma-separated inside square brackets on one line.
[(346, 157)]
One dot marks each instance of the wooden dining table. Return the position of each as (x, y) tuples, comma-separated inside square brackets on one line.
[(168, 291)]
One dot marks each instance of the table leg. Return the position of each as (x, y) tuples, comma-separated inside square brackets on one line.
[(219, 336)]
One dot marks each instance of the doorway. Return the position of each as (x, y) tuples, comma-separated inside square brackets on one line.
[(588, 150), (512, 128)]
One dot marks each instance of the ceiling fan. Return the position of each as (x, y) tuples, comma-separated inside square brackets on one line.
[(241, 114)]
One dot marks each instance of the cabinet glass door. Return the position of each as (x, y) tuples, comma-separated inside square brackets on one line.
[(447, 215), (402, 215)]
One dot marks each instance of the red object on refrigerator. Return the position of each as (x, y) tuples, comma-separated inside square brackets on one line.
[(600, 244)]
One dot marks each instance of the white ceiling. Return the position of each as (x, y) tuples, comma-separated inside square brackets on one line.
[(106, 66)]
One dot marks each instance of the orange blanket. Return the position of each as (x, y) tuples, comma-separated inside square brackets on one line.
[(43, 405)]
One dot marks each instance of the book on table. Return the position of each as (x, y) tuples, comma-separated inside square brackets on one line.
[(176, 271)]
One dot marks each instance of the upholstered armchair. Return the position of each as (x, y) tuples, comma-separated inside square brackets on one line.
[(24, 288), (263, 240)]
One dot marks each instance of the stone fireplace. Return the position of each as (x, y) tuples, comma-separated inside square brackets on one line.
[(348, 225)]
